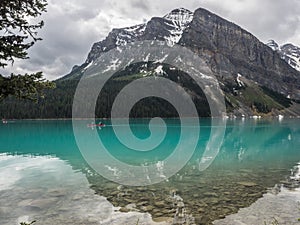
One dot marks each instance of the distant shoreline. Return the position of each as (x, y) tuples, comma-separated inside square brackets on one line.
[(175, 118)]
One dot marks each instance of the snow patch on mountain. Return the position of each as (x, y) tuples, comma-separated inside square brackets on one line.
[(159, 71), (178, 20), (113, 66), (273, 45), (288, 52), (130, 34), (291, 54), (239, 81), (162, 59)]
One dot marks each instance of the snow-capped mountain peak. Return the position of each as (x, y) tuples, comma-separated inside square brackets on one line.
[(288, 52), (168, 28), (291, 54), (178, 20), (181, 16)]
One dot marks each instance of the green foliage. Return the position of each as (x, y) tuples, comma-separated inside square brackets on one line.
[(261, 107), (280, 98), (16, 29), (24, 86), (18, 34), (58, 102), (260, 99)]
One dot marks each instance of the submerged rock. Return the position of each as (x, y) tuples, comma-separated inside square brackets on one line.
[(247, 184)]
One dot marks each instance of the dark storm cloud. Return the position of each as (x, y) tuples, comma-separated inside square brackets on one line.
[(72, 26)]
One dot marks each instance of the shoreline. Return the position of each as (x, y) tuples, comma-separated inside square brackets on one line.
[(169, 118)]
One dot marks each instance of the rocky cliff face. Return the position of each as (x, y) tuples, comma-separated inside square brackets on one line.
[(231, 50)]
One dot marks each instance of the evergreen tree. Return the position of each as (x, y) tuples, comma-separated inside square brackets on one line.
[(17, 35)]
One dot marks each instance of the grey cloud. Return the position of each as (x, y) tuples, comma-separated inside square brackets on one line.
[(266, 19), (141, 4)]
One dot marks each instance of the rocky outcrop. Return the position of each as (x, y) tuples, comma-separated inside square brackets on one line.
[(231, 50), (116, 38)]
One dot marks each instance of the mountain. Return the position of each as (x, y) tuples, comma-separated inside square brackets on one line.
[(288, 52), (254, 78), (273, 45), (169, 28)]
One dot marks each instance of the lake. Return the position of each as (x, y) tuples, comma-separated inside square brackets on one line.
[(48, 175)]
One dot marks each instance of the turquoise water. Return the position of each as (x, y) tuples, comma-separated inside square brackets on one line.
[(255, 155)]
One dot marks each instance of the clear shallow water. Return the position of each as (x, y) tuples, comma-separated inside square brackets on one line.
[(48, 190), (254, 157)]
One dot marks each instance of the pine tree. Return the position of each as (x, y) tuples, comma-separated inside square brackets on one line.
[(17, 35)]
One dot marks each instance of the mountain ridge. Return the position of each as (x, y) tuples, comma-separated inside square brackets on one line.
[(178, 18), (216, 35), (231, 52), (255, 79), (288, 52)]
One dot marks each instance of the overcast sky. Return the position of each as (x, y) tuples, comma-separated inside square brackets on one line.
[(72, 26)]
